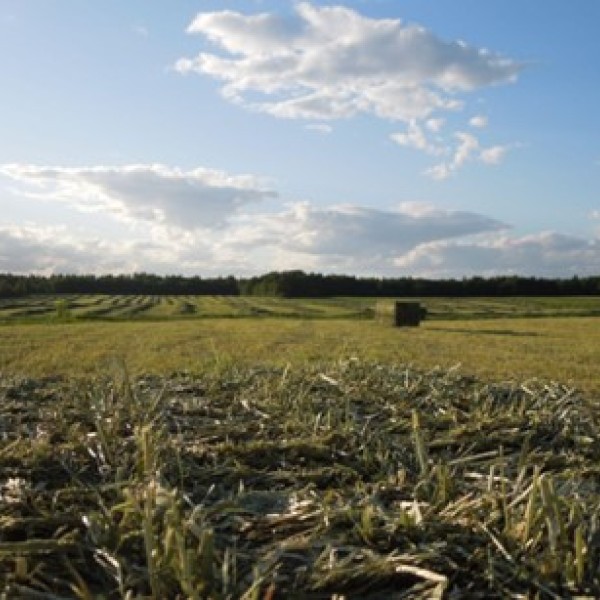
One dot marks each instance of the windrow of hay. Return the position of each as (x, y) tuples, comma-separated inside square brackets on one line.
[(357, 480), (53, 308)]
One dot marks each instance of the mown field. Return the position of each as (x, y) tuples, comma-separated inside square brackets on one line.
[(224, 448), (78, 307), (501, 339)]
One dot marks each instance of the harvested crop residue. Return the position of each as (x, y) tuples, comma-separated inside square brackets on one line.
[(355, 481)]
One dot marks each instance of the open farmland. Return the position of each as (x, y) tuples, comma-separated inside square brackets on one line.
[(502, 338), (82, 307), (261, 448)]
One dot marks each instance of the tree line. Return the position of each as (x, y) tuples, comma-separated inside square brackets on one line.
[(295, 284), (137, 283)]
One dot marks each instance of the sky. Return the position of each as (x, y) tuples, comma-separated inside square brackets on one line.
[(389, 138)]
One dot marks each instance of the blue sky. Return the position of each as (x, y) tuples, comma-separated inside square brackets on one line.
[(375, 137)]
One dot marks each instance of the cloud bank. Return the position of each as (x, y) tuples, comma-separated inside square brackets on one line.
[(545, 254), (212, 223), (46, 250)]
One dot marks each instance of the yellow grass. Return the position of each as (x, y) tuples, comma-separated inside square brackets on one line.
[(559, 349)]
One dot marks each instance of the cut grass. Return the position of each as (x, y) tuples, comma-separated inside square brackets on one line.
[(130, 307), (294, 458), (353, 479)]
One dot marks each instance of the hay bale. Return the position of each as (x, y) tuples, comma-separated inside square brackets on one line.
[(400, 313), (408, 314)]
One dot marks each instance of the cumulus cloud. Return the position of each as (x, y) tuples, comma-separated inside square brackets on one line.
[(435, 124), (415, 137), (467, 149), (440, 171), (493, 155), (546, 254), (478, 121), (467, 145), (331, 62), (156, 194), (462, 146)]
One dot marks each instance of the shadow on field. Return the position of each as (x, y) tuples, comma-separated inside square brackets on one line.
[(508, 332)]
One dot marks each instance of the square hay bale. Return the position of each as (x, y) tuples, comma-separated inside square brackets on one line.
[(400, 313), (408, 314)]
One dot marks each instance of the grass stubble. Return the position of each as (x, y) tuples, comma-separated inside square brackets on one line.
[(353, 479)]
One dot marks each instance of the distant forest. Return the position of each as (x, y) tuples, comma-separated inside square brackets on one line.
[(295, 284)]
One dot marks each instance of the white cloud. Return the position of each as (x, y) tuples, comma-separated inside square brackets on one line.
[(415, 137), (340, 238), (467, 149), (467, 145), (493, 155), (208, 222), (435, 124), (155, 194), (478, 121), (331, 62), (463, 146), (415, 239), (439, 172), (546, 254)]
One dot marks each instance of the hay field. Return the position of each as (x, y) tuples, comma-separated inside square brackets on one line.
[(559, 349), (175, 456), (90, 307)]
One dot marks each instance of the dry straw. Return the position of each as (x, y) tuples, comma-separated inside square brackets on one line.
[(352, 481)]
